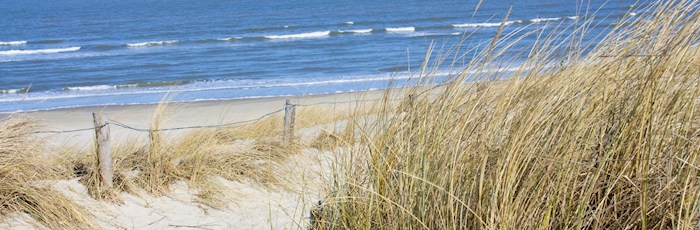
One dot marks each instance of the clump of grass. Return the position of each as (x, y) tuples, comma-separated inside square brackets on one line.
[(608, 140), (22, 170), (129, 160), (197, 157), (329, 140), (150, 166)]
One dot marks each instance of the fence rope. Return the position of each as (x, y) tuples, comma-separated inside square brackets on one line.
[(122, 125), (65, 131)]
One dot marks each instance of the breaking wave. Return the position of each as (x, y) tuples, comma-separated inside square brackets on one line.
[(153, 43), (538, 20), (14, 91), (358, 31), (13, 43), (400, 29), (484, 24), (39, 51), (230, 39), (317, 34)]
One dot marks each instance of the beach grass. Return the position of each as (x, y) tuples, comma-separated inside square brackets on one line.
[(23, 169), (197, 157), (594, 136), (605, 139)]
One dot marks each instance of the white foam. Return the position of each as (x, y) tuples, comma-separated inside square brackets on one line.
[(229, 38), (538, 20), (11, 91), (349, 23), (107, 90), (39, 51), (413, 35), (91, 88), (400, 29), (572, 17), (317, 34), (359, 31), (13, 43), (153, 43), (633, 14), (484, 24)]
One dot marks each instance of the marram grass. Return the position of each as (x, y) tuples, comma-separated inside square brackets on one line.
[(22, 168), (603, 139), (609, 139)]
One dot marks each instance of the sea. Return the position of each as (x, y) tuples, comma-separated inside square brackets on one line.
[(77, 53)]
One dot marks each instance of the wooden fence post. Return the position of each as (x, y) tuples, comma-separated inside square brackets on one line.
[(289, 111), (104, 149)]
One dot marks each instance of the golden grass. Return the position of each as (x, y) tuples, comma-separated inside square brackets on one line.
[(331, 139), (197, 157), (306, 116), (22, 169), (609, 140)]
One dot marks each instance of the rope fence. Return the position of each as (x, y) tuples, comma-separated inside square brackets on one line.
[(63, 131), (230, 124), (103, 140), (225, 125)]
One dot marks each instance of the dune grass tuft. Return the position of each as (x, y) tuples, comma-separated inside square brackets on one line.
[(197, 157), (329, 140), (23, 171), (607, 139), (604, 137)]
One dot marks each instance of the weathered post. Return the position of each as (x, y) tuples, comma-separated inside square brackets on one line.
[(104, 149), (289, 111)]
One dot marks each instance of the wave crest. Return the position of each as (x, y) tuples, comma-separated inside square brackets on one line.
[(400, 29), (317, 34), (538, 20), (152, 43), (230, 39), (90, 88), (39, 51), (13, 43), (358, 31), (14, 91), (124, 86), (484, 24)]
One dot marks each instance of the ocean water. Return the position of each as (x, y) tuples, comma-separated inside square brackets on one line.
[(72, 53)]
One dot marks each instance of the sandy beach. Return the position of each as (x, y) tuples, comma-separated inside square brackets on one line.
[(203, 113), (336, 115), (250, 205)]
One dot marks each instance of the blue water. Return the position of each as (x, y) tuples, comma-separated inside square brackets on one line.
[(72, 53)]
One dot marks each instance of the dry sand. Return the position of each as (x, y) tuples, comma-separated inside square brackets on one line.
[(178, 115), (250, 206)]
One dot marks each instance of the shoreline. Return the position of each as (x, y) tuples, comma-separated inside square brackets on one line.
[(6, 114)]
